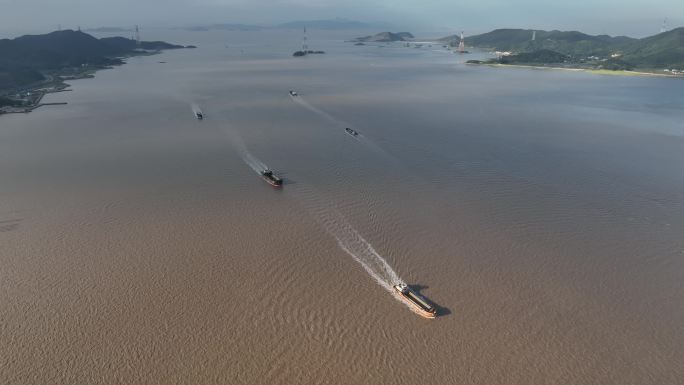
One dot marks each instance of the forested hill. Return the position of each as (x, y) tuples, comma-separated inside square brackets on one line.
[(664, 50), (67, 48), (24, 58)]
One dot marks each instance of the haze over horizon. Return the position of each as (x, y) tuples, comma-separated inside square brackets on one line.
[(437, 16)]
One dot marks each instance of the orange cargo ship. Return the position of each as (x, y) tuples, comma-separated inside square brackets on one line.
[(419, 303)]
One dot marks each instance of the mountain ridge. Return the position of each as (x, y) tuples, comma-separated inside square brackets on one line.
[(662, 50), (24, 59), (384, 37)]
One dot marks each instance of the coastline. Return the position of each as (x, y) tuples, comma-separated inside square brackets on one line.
[(34, 93), (56, 81), (588, 70)]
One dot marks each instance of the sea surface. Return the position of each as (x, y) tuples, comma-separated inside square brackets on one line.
[(541, 211)]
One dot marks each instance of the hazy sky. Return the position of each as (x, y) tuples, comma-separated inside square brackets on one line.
[(631, 17)]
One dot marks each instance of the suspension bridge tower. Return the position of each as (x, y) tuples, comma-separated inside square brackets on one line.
[(663, 28), (137, 36), (305, 45)]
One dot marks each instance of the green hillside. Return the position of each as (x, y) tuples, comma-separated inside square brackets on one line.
[(664, 50), (565, 42), (24, 60)]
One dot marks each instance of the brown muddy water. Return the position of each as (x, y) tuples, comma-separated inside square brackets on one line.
[(541, 211)]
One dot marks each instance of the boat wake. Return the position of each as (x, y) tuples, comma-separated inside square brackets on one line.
[(342, 125), (300, 100), (348, 238), (252, 161), (195, 108)]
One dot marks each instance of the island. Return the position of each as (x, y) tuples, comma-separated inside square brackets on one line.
[(307, 52), (385, 37), (34, 65), (661, 54)]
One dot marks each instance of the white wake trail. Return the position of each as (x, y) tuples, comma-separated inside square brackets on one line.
[(336, 225), (300, 100), (195, 108), (252, 161), (340, 124), (352, 242), (348, 238)]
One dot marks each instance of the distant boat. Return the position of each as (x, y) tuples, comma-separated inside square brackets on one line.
[(418, 302), (293, 93), (271, 178), (199, 115), (351, 132)]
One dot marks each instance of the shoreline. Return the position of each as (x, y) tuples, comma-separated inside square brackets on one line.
[(588, 70), (35, 93), (55, 82)]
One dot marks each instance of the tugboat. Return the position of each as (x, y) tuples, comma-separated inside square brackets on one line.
[(199, 115), (351, 132), (418, 302), (271, 179), (293, 93)]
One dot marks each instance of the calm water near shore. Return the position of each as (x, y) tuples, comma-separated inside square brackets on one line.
[(541, 211)]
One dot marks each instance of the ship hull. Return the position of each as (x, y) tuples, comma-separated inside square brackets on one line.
[(420, 310), (271, 182), (414, 300)]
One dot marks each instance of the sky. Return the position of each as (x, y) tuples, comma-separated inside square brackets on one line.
[(626, 17)]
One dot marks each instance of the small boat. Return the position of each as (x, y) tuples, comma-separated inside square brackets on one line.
[(419, 303), (293, 93), (271, 178), (351, 132), (199, 115)]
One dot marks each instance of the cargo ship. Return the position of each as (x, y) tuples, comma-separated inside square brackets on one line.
[(418, 302), (351, 132), (271, 179)]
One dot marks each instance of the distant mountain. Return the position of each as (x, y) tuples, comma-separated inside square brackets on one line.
[(225, 27), (55, 50), (564, 42), (123, 44), (665, 50), (24, 59), (109, 29), (386, 37), (332, 24), (68, 48)]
